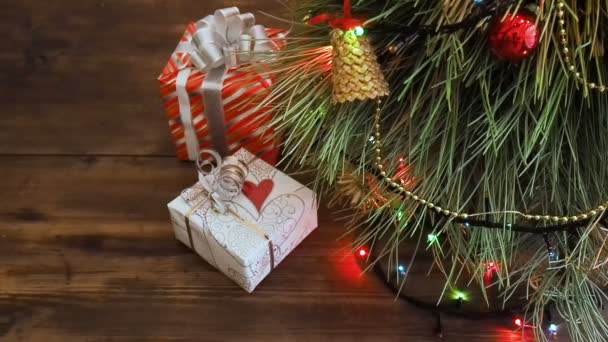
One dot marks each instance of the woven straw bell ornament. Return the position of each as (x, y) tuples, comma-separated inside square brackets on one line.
[(356, 73), (355, 70)]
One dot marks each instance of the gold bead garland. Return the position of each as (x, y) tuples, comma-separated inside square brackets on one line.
[(566, 51), (455, 214)]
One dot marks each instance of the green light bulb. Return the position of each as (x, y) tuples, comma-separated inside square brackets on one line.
[(459, 295), (359, 31)]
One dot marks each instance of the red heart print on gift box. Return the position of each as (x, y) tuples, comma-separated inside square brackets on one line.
[(258, 194)]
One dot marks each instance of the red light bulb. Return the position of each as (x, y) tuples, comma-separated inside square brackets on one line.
[(518, 322), (362, 252)]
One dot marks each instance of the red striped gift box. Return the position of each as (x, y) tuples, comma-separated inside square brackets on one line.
[(246, 121)]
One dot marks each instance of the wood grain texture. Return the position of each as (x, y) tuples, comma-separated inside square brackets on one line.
[(87, 251), (88, 254), (80, 76)]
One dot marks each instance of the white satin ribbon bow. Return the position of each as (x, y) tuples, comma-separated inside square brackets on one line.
[(227, 38), (222, 179)]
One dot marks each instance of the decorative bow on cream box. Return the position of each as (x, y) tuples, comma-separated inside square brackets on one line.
[(243, 216)]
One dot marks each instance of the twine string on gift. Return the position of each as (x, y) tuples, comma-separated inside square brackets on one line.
[(222, 180), (198, 197), (255, 228), (224, 40)]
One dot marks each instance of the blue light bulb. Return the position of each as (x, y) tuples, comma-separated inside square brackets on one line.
[(553, 256)]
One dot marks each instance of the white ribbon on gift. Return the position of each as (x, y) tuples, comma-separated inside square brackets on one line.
[(224, 40), (222, 179)]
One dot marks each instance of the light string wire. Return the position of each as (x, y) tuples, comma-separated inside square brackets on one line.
[(485, 11)]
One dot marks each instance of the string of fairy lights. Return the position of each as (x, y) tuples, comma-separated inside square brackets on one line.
[(484, 9), (458, 298), (551, 223)]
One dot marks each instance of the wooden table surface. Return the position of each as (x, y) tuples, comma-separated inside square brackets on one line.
[(87, 251)]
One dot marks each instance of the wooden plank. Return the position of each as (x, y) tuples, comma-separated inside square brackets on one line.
[(82, 129), (80, 76), (88, 254)]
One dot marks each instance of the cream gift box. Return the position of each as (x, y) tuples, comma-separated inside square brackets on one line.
[(271, 216)]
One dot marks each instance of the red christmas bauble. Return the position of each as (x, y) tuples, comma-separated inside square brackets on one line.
[(515, 37)]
